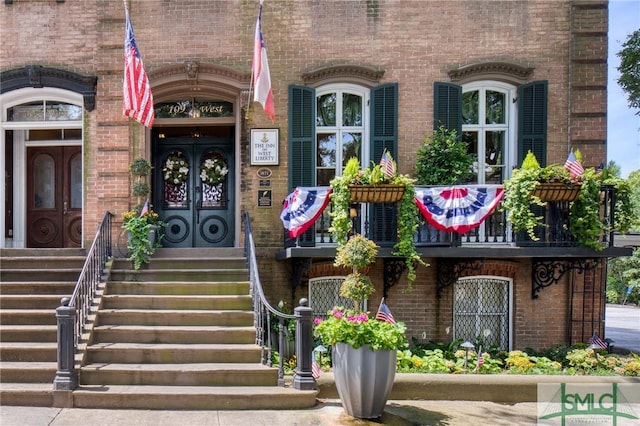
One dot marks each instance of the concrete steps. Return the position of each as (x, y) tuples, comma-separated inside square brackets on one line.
[(32, 283), (179, 334)]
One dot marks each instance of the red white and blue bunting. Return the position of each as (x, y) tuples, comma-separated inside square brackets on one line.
[(303, 207), (458, 208)]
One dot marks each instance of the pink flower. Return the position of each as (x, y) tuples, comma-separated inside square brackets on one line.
[(338, 313), (317, 320)]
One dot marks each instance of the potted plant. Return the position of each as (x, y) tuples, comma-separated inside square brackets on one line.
[(533, 185), (144, 233), (364, 349), (443, 159), (375, 180)]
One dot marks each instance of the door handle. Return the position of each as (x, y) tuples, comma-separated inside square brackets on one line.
[(65, 207)]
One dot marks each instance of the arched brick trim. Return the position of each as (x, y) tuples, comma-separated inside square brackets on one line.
[(498, 268), (500, 71), (343, 73), (174, 81), (40, 76)]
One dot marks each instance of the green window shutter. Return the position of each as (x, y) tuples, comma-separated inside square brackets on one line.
[(302, 131), (384, 121), (447, 106), (532, 121), (384, 135), (302, 135)]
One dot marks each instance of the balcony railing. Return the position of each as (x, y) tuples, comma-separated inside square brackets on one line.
[(379, 222)]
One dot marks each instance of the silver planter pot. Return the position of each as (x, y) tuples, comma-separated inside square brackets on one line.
[(363, 378)]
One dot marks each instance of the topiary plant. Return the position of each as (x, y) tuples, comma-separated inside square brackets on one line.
[(443, 159)]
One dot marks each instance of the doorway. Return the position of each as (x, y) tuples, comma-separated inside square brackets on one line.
[(198, 210), (54, 196)]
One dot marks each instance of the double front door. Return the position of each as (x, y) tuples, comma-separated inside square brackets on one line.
[(54, 196), (194, 191)]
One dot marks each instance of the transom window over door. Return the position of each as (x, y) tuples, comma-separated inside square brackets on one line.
[(340, 130), (488, 121)]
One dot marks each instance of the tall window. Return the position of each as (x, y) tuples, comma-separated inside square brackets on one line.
[(340, 129), (488, 121), (481, 310)]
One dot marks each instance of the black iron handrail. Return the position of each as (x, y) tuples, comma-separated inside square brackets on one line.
[(87, 285), (261, 307)]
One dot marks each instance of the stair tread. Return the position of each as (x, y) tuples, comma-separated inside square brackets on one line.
[(28, 327), (178, 311), (193, 390), (185, 328), (177, 296), (30, 345), (175, 346), (192, 367), (28, 365), (26, 386)]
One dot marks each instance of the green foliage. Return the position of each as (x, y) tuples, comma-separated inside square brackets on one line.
[(443, 159), (357, 253), (140, 189), (138, 228), (623, 272), (407, 216), (629, 69), (634, 196), (358, 329), (586, 224), (140, 167), (357, 287)]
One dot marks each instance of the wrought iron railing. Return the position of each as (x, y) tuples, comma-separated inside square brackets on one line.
[(495, 230), (91, 274), (264, 313), (73, 314)]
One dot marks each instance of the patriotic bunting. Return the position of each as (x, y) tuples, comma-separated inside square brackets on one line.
[(303, 207), (458, 208)]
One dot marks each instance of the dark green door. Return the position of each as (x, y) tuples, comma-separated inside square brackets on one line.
[(194, 191)]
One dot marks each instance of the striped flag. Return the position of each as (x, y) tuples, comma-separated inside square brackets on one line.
[(384, 313), (260, 69), (387, 164), (145, 208), (595, 340), (316, 371), (137, 98), (573, 166), (480, 360)]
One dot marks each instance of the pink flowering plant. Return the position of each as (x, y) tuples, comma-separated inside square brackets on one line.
[(357, 328)]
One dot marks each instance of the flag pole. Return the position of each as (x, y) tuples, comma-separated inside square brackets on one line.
[(253, 58)]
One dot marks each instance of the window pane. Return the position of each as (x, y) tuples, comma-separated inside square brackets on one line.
[(351, 147), (495, 107), (351, 110), (76, 182), (470, 107), (494, 156), (326, 110), (59, 111), (44, 182), (471, 139), (326, 150)]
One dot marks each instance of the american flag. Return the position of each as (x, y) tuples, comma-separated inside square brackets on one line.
[(137, 98), (384, 313), (316, 371), (260, 69), (573, 166), (145, 208), (597, 341), (480, 360), (387, 164)]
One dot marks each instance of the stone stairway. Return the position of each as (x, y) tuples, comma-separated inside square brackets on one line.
[(178, 334), (32, 282)]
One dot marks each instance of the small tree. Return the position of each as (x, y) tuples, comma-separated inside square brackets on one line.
[(629, 68)]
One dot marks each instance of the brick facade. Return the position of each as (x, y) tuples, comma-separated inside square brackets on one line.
[(415, 43)]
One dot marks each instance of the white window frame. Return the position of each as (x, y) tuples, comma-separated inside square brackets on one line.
[(339, 129), (510, 125), (20, 128)]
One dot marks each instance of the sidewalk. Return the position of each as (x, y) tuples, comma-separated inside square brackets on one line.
[(326, 413), (622, 324)]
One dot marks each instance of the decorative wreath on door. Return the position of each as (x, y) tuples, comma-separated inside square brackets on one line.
[(213, 170), (176, 169)]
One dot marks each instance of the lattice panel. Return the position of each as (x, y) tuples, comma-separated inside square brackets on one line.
[(324, 294), (481, 309)]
